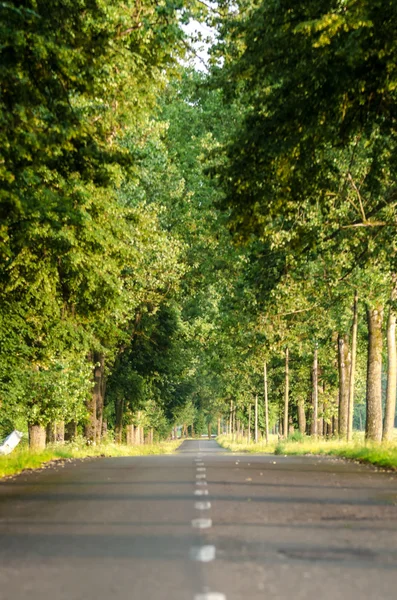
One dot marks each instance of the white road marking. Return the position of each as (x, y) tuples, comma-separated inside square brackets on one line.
[(202, 505), (201, 469), (202, 553), (201, 523), (201, 483), (199, 464), (210, 596), (201, 492), (201, 476)]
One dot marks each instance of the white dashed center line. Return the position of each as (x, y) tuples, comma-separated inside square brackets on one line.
[(210, 596), (202, 553), (201, 492), (202, 505), (201, 523), (205, 553)]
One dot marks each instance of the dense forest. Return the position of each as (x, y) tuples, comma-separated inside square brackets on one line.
[(179, 239)]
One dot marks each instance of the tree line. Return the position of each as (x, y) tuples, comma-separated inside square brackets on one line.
[(168, 236)]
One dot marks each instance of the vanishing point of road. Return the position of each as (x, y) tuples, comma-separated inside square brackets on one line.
[(202, 524)]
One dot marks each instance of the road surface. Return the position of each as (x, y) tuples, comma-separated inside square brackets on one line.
[(203, 524)]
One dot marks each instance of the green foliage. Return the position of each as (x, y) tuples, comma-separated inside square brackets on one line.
[(122, 175)]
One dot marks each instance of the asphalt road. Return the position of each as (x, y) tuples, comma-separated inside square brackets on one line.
[(202, 525)]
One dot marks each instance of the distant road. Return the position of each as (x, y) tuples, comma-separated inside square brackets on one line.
[(203, 524)]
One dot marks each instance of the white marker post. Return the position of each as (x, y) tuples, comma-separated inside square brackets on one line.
[(11, 442)]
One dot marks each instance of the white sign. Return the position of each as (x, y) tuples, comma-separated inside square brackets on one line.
[(11, 442)]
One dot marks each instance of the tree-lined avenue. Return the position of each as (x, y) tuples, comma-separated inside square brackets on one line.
[(123, 528)]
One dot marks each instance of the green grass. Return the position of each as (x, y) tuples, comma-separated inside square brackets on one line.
[(382, 455), (241, 445), (22, 459)]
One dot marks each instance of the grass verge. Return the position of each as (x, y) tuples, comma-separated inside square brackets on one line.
[(22, 459), (241, 445), (382, 455)]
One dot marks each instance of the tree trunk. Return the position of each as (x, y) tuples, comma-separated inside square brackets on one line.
[(373, 430), (37, 437), (314, 424), (209, 430), (51, 433), (352, 370), (286, 394), (301, 415), (70, 431), (119, 420), (320, 419), (256, 419), (99, 376), (60, 432), (266, 402), (90, 426), (335, 425), (219, 426), (344, 377), (249, 424), (390, 408), (130, 434)]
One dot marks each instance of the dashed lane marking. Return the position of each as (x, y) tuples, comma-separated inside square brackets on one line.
[(210, 596), (203, 483), (201, 469), (201, 492), (202, 505), (202, 553), (201, 523), (201, 476)]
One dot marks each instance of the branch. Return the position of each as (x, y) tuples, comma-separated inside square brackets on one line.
[(358, 196), (366, 224), (192, 50), (295, 312), (210, 8)]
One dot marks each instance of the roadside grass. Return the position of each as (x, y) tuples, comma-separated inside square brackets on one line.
[(383, 455), (379, 454), (241, 444), (23, 459)]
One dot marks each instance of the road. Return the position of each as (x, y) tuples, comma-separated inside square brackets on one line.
[(202, 524)]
